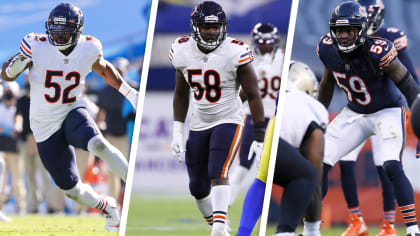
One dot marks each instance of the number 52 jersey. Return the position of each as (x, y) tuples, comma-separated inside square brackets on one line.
[(56, 80), (212, 80)]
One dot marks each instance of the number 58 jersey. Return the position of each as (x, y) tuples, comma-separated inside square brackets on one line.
[(56, 80), (212, 80)]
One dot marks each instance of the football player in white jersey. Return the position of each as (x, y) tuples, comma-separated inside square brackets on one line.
[(211, 68), (268, 64), (299, 158), (58, 63)]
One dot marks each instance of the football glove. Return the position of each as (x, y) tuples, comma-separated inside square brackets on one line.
[(177, 145), (131, 94), (256, 150), (17, 65), (132, 98), (258, 143)]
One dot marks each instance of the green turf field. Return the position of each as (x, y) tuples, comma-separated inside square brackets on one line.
[(164, 215), (48, 225)]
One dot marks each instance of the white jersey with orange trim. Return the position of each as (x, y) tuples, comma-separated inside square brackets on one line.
[(56, 80), (268, 68), (212, 80), (299, 111)]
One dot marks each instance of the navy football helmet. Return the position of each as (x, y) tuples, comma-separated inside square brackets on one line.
[(265, 37), (208, 14), (64, 25), (349, 15), (376, 11)]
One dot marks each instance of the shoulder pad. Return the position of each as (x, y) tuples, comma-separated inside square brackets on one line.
[(243, 53), (382, 49), (28, 41)]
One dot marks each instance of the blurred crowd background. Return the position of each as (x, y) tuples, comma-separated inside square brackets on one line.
[(122, 30)]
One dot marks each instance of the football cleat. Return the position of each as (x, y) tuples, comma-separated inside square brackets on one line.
[(414, 234), (4, 218), (219, 233), (387, 230), (112, 215), (357, 227)]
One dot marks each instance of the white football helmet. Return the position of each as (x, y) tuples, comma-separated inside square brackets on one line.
[(302, 78)]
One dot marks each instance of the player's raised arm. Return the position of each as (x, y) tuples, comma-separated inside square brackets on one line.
[(326, 88), (13, 67), (112, 77), (403, 79)]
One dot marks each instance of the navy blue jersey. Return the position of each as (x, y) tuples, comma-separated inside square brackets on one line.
[(399, 39), (360, 74)]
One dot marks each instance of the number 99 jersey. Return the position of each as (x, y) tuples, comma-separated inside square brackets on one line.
[(362, 78), (268, 68), (212, 80), (56, 80)]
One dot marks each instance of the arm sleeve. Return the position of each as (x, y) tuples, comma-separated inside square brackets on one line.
[(406, 61)]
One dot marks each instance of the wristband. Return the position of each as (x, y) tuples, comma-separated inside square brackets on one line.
[(125, 89), (178, 128), (259, 131)]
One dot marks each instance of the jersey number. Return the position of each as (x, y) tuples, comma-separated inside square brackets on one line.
[(274, 85), (357, 85), (377, 48), (56, 86), (211, 80)]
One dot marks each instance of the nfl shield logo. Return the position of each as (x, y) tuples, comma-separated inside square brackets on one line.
[(205, 59)]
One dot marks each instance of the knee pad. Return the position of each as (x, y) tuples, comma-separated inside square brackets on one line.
[(393, 169), (97, 144), (200, 188)]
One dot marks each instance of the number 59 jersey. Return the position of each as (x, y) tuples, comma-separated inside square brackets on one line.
[(212, 80), (56, 80), (360, 73)]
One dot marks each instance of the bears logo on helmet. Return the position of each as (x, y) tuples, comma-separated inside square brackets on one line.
[(64, 26), (204, 14), (349, 14)]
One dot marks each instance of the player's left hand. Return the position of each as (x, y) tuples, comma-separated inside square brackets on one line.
[(132, 98), (256, 150)]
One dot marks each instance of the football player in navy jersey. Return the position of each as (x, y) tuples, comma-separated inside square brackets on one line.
[(375, 10), (369, 71)]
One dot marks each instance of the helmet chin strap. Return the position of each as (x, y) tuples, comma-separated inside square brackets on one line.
[(346, 49), (66, 46)]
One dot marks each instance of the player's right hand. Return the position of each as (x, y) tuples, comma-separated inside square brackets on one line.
[(177, 146), (178, 150)]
